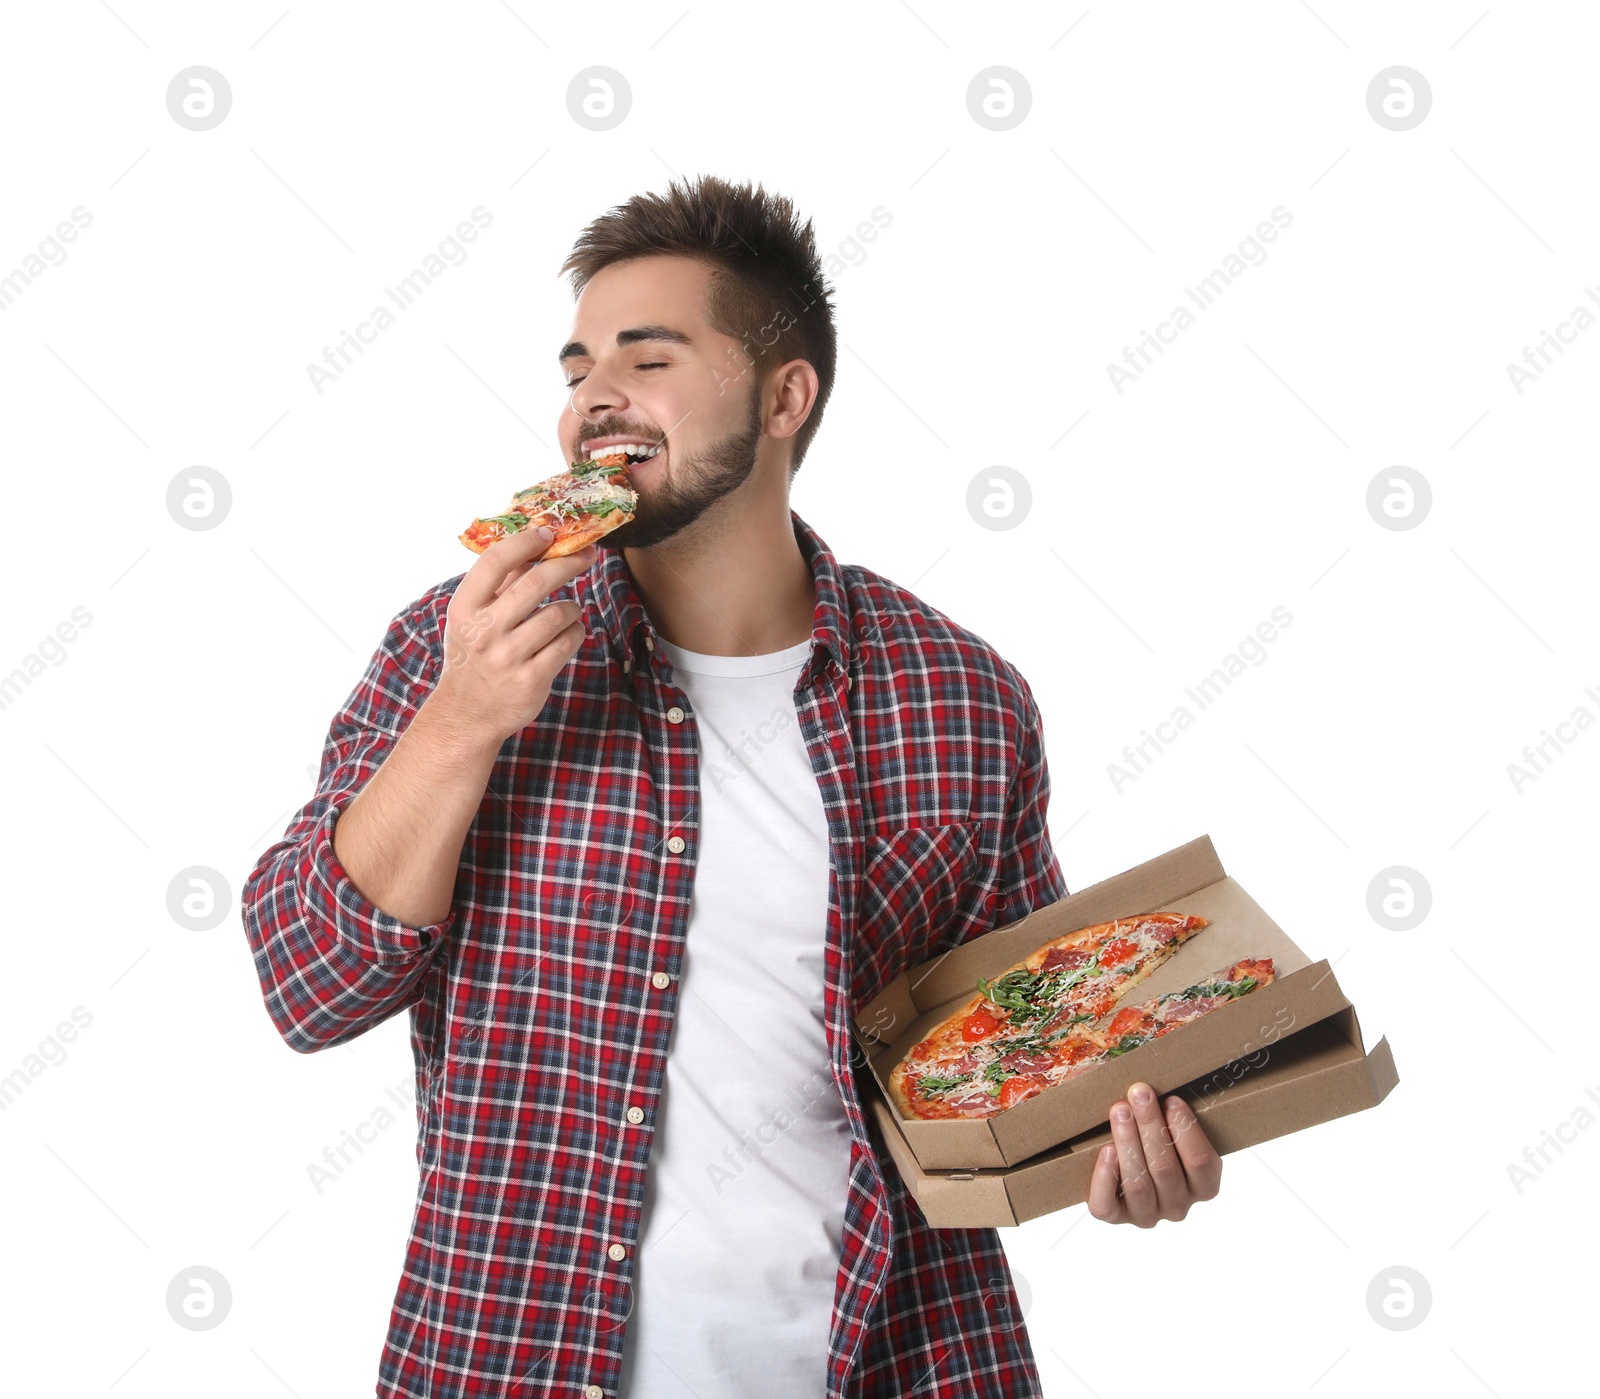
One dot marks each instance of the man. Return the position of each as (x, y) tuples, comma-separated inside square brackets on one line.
[(631, 834)]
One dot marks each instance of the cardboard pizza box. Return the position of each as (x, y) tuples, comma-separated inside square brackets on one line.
[(1315, 1075), (1188, 879)]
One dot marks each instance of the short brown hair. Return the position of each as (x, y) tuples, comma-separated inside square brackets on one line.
[(767, 289)]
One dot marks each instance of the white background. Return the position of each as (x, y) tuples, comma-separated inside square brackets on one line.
[(1167, 521)]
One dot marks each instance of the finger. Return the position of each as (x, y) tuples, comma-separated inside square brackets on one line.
[(1161, 1156), (514, 573), (510, 578), (520, 569), (486, 578), (544, 576), (567, 643), (1138, 1190), (1202, 1163), (544, 625), (1103, 1201)]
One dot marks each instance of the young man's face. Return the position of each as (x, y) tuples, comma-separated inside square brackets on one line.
[(682, 384)]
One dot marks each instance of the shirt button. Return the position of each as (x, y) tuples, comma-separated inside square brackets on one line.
[(617, 1252), (661, 981), (650, 641), (635, 1114), (675, 845), (627, 665), (848, 681), (675, 715), (593, 1391)]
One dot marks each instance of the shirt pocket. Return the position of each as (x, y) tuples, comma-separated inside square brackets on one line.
[(914, 879)]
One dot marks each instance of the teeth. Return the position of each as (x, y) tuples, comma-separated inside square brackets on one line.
[(633, 449)]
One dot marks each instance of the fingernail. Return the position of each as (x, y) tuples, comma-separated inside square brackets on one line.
[(1141, 1094), (1121, 1113), (546, 533)]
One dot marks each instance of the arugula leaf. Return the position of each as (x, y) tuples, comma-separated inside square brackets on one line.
[(1008, 991), (1126, 1043), (587, 468), (932, 1083), (1029, 996), (513, 522), (1207, 989)]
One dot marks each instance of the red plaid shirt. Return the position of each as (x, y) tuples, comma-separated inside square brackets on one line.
[(541, 1006)]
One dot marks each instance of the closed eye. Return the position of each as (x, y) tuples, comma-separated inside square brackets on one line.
[(658, 364)]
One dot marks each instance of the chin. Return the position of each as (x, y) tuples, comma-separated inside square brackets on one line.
[(629, 536)]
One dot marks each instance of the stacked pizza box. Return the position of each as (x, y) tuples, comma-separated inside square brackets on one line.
[(1281, 1058)]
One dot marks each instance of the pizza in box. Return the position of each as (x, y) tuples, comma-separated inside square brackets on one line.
[(1054, 1016)]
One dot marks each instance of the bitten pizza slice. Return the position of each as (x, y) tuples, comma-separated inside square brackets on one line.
[(581, 504)]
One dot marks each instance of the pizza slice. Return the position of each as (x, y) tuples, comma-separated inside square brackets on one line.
[(1021, 1066), (1135, 1025), (1070, 981), (582, 504)]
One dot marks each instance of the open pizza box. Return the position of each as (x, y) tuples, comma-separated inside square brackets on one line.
[(1314, 1075), (1188, 879)]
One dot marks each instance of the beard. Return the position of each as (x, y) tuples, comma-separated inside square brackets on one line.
[(671, 503)]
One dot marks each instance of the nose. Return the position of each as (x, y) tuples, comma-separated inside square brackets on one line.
[(593, 398)]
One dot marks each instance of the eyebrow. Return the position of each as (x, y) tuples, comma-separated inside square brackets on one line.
[(575, 348)]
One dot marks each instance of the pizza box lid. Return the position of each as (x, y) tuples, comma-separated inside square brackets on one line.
[(1313, 1076), (1187, 879)]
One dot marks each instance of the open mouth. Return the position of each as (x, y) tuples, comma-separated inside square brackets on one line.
[(636, 452)]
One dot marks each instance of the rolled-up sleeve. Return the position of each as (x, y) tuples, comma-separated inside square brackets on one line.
[(331, 963)]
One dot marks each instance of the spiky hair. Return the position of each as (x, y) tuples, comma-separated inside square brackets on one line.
[(767, 290)]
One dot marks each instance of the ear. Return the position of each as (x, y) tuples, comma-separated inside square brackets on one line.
[(790, 391)]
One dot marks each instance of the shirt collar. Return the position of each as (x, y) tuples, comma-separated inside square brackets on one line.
[(627, 626)]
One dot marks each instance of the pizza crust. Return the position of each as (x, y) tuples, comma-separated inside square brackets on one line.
[(595, 528)]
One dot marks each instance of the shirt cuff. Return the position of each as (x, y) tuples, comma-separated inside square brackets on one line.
[(332, 901)]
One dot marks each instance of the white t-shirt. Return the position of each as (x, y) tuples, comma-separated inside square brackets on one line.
[(744, 1204)]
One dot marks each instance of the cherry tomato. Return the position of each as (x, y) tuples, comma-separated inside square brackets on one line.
[(979, 1025), (1117, 952), (1125, 1021), (1014, 1090)]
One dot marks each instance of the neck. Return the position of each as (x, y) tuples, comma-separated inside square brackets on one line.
[(729, 587)]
